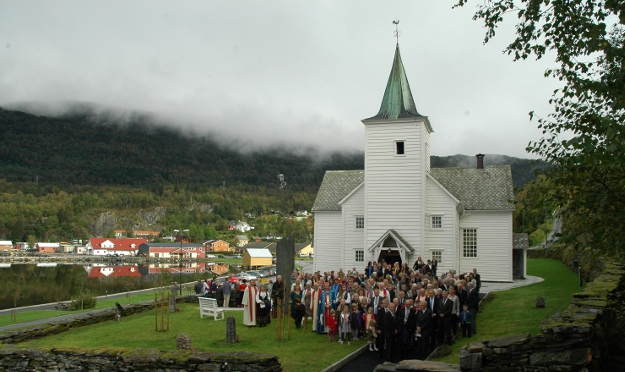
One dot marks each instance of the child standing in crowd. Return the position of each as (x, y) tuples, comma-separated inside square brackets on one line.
[(332, 326), (371, 335), (362, 311), (355, 322), (345, 326), (465, 320)]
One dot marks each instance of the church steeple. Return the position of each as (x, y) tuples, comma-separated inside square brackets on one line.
[(397, 102)]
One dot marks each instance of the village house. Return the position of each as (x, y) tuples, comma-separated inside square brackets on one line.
[(47, 247), (216, 245), (304, 249), (172, 250), (241, 240), (399, 209), (111, 246), (6, 245), (243, 226)]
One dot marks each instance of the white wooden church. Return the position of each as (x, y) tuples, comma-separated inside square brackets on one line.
[(398, 208)]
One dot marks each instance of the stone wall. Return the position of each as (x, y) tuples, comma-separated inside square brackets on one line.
[(588, 336), (29, 359), (81, 319)]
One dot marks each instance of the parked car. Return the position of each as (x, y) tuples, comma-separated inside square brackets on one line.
[(210, 256), (237, 256), (258, 273), (248, 276)]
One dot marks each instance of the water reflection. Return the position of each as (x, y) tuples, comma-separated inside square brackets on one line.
[(35, 284)]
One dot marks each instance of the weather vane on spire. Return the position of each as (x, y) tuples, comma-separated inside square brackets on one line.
[(396, 23)]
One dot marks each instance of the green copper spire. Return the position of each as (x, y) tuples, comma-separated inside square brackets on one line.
[(397, 102)]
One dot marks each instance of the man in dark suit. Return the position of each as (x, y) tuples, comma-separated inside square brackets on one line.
[(391, 331), (380, 319), (473, 302), (406, 316), (445, 307), (478, 280), (432, 304), (423, 329), (462, 295)]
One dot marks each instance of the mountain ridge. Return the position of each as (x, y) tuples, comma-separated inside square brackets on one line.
[(101, 148)]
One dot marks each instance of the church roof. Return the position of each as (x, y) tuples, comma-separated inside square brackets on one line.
[(520, 241), (335, 186), (397, 102), (478, 189)]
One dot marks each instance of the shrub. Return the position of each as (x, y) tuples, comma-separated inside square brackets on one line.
[(87, 300)]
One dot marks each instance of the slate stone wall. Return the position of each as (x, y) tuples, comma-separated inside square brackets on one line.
[(21, 360), (588, 336), (81, 319)]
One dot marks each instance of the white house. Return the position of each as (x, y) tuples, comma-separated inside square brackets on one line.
[(120, 246), (243, 226), (398, 208)]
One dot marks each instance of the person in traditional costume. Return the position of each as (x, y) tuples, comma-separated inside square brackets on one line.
[(307, 300), (317, 309), (263, 306), (249, 304), (327, 299)]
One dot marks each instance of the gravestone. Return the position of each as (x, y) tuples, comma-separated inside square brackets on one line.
[(540, 302), (231, 331)]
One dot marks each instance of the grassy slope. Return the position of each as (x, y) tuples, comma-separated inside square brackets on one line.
[(28, 316), (306, 351), (514, 311)]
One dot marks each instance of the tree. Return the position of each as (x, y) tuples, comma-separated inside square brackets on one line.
[(583, 138)]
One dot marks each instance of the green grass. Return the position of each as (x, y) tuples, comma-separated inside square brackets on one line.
[(306, 351), (28, 316), (514, 311)]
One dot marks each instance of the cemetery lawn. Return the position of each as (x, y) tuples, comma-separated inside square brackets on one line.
[(306, 351), (27, 316), (514, 311)]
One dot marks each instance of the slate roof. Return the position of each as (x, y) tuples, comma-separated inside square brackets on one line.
[(478, 189), (334, 187), (520, 241)]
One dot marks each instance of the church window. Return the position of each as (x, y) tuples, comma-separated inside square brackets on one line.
[(399, 148), (438, 255), (469, 242), (360, 222), (437, 222), (360, 256)]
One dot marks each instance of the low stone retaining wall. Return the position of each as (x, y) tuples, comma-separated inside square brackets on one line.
[(21, 360), (81, 319), (588, 336)]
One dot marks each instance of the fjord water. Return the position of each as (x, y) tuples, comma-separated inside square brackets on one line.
[(38, 285)]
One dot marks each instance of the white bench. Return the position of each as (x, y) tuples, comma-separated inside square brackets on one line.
[(208, 307)]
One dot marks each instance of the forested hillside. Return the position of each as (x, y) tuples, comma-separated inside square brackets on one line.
[(84, 174), (88, 149)]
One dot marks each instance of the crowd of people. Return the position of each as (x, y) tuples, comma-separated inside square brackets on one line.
[(402, 312)]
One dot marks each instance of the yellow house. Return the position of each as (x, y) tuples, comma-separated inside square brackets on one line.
[(257, 257), (304, 249)]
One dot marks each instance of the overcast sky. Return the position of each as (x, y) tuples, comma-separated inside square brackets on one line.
[(267, 72)]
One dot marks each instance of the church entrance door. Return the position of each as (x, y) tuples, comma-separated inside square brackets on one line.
[(390, 257)]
